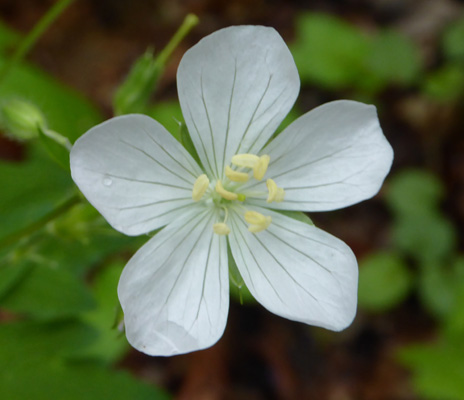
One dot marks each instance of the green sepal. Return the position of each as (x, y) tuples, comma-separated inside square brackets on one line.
[(133, 94)]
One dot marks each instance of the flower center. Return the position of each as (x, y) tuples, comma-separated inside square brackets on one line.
[(223, 197)]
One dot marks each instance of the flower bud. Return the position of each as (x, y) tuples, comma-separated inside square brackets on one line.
[(21, 119)]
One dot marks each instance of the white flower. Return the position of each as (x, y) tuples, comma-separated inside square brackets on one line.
[(235, 87)]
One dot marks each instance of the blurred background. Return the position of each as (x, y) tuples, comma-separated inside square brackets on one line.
[(60, 262)]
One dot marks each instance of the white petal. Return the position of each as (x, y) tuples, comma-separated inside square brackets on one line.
[(334, 156), (174, 291), (297, 270), (134, 172), (235, 87)]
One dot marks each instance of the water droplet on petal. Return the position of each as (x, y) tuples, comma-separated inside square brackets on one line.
[(107, 181)]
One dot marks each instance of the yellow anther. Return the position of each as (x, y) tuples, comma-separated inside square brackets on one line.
[(221, 229), (199, 187), (258, 222), (276, 193), (259, 170), (241, 197), (225, 193), (236, 176), (245, 160)]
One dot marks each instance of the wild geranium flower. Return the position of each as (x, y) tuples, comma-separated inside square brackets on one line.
[(235, 87)]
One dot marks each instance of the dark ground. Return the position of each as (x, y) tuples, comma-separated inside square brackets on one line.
[(262, 356)]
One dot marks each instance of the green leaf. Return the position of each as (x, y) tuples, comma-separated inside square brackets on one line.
[(414, 192), (384, 281), (453, 41), (65, 110), (31, 189), (436, 289), (445, 84), (394, 59), (111, 344), (11, 275), (48, 292), (329, 51), (442, 292), (438, 370), (169, 115), (454, 323), (36, 364), (428, 238)]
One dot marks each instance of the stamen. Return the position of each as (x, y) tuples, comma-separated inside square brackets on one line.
[(199, 187), (236, 176), (221, 229), (225, 193), (276, 193), (245, 160), (258, 222), (259, 170)]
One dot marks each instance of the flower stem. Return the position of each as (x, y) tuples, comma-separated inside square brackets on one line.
[(58, 138), (190, 21), (36, 32), (35, 226)]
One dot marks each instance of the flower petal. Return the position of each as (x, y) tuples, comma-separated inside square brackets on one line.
[(334, 156), (297, 270), (235, 88), (174, 291), (134, 172)]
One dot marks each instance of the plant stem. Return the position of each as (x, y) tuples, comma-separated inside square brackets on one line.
[(36, 32), (35, 226), (190, 21)]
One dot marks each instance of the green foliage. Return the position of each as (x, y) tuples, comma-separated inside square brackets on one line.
[(414, 192), (446, 84), (328, 51), (453, 41), (110, 345), (57, 147), (420, 230), (393, 59), (65, 110), (428, 238), (134, 93), (47, 292), (334, 54), (438, 370), (33, 188), (168, 114), (439, 288), (37, 362), (384, 281)]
